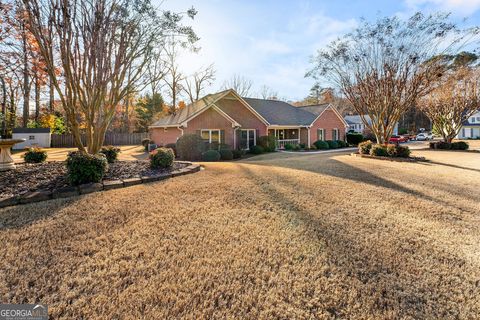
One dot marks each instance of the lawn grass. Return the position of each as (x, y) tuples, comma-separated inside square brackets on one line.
[(273, 236)]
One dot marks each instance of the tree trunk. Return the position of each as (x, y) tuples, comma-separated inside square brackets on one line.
[(3, 133), (26, 83), (127, 121), (37, 99), (51, 97)]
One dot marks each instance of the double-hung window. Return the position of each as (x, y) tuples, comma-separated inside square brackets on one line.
[(335, 134), (248, 138), (211, 135), (321, 134)]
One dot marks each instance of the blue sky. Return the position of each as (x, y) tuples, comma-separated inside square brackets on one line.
[(271, 42)]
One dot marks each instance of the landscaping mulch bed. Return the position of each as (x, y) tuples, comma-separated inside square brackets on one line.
[(49, 176)]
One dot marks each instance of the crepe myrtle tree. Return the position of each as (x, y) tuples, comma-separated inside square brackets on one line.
[(103, 48), (383, 67), (454, 98)]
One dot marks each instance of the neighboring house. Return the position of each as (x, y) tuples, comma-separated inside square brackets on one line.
[(34, 137), (470, 128), (227, 118), (356, 124)]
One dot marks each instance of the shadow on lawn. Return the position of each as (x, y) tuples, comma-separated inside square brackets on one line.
[(21, 216), (376, 273), (327, 165)]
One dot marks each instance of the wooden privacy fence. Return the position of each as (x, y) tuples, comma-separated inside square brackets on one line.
[(111, 138)]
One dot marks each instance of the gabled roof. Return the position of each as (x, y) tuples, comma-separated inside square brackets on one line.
[(281, 113), (270, 112), (189, 111)]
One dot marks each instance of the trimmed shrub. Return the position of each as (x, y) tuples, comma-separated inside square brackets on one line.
[(190, 147), (35, 155), (161, 158), (268, 143), (110, 152), (332, 144), (172, 146), (341, 143), (365, 147), (394, 150), (460, 145), (211, 155), (440, 145), (379, 150), (288, 146), (146, 142), (354, 138), (226, 154), (302, 145), (85, 168), (297, 147), (403, 151), (256, 150), (321, 145), (237, 154)]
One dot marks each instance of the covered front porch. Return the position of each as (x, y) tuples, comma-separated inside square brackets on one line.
[(287, 135)]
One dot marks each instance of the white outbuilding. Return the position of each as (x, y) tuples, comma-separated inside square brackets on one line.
[(34, 137)]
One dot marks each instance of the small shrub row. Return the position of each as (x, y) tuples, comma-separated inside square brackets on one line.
[(460, 145), (329, 144), (35, 155), (380, 150)]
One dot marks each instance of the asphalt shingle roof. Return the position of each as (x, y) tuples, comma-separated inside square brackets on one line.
[(316, 109), (185, 113), (281, 113)]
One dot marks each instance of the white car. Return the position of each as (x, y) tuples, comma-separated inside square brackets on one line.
[(424, 136)]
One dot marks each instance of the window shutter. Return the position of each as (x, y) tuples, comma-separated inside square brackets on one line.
[(318, 134)]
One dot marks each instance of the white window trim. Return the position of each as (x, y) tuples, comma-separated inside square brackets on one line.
[(210, 134), (248, 137)]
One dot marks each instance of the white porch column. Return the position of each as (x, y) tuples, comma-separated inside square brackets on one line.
[(308, 134)]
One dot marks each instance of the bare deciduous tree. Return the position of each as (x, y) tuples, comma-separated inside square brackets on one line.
[(173, 77), (99, 43), (382, 68), (240, 84), (267, 93), (196, 84), (452, 101)]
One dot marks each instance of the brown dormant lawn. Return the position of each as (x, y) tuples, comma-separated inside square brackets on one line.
[(274, 236)]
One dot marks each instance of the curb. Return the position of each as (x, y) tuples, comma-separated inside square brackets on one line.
[(394, 159), (319, 151), (66, 192)]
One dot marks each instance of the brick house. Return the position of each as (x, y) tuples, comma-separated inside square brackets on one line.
[(227, 118)]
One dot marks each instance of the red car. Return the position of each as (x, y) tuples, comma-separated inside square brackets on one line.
[(397, 139)]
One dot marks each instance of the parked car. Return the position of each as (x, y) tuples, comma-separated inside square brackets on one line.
[(397, 139), (410, 136), (423, 136)]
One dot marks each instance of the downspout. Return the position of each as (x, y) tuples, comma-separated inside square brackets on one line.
[(235, 138), (308, 135)]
